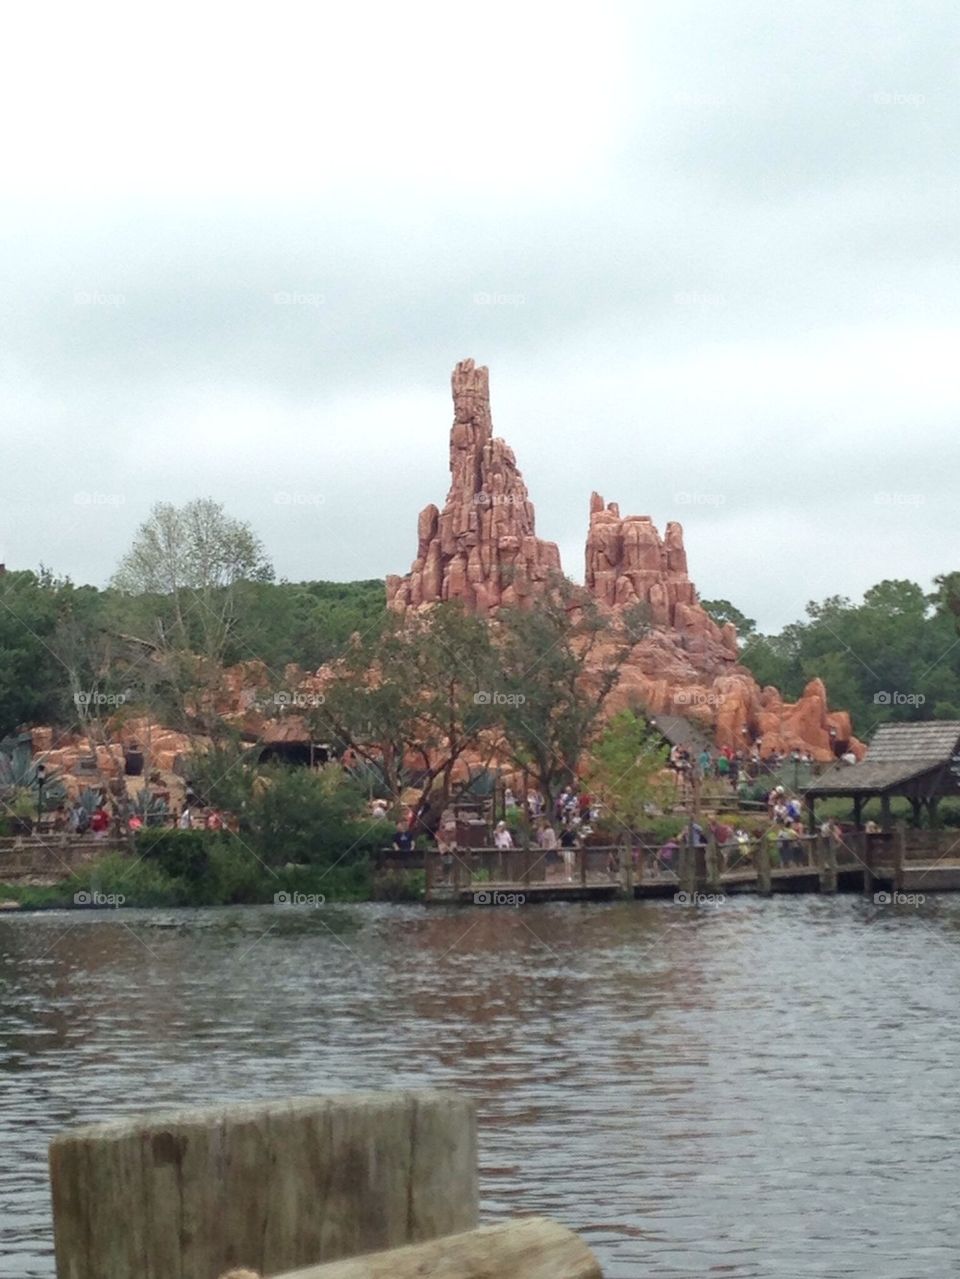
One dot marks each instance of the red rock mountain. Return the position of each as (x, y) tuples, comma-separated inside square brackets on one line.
[(482, 549)]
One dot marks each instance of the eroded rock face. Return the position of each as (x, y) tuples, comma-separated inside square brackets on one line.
[(482, 548), (628, 563)]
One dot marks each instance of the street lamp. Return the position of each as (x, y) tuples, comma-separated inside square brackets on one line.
[(41, 778)]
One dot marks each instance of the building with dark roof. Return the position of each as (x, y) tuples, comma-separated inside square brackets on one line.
[(917, 761)]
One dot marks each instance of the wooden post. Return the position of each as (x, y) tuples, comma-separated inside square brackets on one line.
[(626, 870), (762, 860), (868, 863), (583, 866), (270, 1186), (827, 864), (712, 865), (899, 856), (428, 868), (688, 869), (526, 1248)]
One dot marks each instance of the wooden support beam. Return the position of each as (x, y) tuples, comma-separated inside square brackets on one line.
[(271, 1186), (826, 851), (626, 870), (869, 860), (528, 1248), (687, 868), (762, 862), (712, 865), (899, 856)]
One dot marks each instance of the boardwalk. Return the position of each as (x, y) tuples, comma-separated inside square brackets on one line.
[(902, 862)]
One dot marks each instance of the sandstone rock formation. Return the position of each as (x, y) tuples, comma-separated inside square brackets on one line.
[(629, 563), (482, 548)]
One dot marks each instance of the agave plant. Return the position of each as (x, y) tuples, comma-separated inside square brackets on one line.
[(89, 799), (148, 806), (19, 771)]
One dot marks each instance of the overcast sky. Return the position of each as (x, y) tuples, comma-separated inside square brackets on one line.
[(708, 251)]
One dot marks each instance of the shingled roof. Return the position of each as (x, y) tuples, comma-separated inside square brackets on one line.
[(897, 754), (680, 731)]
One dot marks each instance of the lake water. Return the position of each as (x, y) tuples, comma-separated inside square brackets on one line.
[(755, 1089)]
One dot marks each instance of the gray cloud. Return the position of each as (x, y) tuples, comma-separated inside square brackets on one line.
[(736, 306)]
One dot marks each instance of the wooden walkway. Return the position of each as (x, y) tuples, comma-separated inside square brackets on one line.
[(909, 863)]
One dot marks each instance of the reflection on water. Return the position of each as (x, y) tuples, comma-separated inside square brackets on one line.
[(759, 1089)]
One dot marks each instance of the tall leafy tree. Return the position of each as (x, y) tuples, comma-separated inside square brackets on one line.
[(408, 702), (558, 662)]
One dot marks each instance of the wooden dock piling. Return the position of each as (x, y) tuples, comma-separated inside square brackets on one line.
[(529, 1248), (826, 853), (272, 1186), (762, 863)]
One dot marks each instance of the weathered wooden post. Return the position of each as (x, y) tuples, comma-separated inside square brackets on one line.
[(827, 863), (899, 856), (869, 860), (762, 860), (688, 869), (626, 869), (427, 874), (527, 1248), (712, 865), (271, 1185)]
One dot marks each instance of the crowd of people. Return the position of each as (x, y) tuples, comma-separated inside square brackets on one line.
[(104, 817), (736, 768)]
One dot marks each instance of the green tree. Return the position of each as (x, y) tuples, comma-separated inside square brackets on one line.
[(192, 558), (723, 611), (626, 762), (407, 701), (558, 661)]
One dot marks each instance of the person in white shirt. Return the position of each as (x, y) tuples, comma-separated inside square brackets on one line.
[(502, 837)]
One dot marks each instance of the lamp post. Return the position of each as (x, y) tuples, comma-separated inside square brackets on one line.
[(41, 778)]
